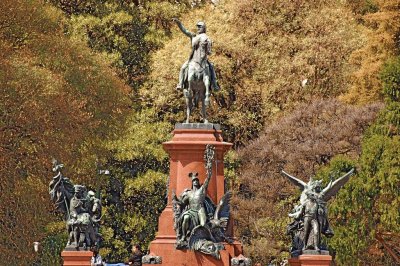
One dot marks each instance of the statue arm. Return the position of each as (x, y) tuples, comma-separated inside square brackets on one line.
[(177, 200), (205, 185), (209, 46), (182, 200), (183, 29)]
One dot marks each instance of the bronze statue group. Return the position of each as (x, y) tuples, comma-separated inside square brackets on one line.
[(200, 224), (82, 210)]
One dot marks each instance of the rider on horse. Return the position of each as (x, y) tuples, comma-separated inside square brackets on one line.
[(183, 74)]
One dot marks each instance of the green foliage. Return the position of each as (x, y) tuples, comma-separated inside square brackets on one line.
[(134, 194), (390, 76), (370, 204), (231, 167), (125, 32), (132, 206), (364, 7), (338, 166), (142, 139), (116, 31), (145, 197), (52, 246)]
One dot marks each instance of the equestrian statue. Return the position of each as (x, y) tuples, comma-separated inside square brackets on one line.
[(197, 75)]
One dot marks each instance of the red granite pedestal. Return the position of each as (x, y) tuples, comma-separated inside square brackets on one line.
[(76, 258), (315, 260), (186, 151), (294, 262)]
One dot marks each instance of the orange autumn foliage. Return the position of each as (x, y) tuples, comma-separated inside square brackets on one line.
[(57, 100)]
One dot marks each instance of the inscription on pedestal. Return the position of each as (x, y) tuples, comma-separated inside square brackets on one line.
[(197, 126)]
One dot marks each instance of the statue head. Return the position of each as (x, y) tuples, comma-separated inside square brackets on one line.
[(91, 195), (201, 27), (57, 166), (79, 191), (315, 185), (195, 179), (318, 186)]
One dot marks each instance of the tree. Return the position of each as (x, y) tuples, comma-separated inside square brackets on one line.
[(369, 207), (58, 100), (300, 142), (260, 67), (125, 32), (379, 25), (134, 196)]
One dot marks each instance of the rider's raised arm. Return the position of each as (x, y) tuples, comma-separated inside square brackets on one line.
[(183, 29)]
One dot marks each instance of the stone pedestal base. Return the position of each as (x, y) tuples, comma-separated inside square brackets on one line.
[(165, 248), (315, 260), (186, 151), (76, 258), (294, 261)]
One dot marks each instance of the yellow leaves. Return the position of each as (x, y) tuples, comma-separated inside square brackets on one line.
[(135, 223), (379, 29), (107, 233), (55, 227), (145, 183), (141, 139), (58, 99), (116, 18)]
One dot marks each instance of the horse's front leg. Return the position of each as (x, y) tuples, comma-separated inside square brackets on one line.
[(188, 99), (206, 80), (203, 112), (206, 99)]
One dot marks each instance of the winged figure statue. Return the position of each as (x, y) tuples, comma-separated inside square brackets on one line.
[(310, 216)]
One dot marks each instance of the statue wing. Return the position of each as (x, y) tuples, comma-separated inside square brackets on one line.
[(333, 187), (223, 210), (210, 206), (199, 234), (301, 184)]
